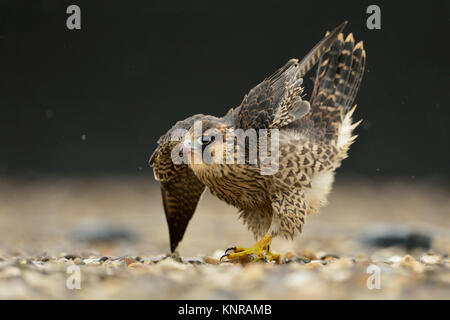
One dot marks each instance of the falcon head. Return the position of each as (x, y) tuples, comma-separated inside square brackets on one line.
[(205, 144)]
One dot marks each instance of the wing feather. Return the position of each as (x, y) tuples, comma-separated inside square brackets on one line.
[(180, 188), (180, 198), (276, 101)]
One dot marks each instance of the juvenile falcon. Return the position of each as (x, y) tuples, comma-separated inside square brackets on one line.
[(312, 138)]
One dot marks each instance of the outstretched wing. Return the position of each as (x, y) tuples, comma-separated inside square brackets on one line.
[(277, 101), (180, 188)]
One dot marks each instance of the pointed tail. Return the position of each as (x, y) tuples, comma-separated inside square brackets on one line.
[(339, 75)]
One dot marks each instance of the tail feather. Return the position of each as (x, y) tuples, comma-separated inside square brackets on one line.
[(339, 75), (325, 81), (345, 63), (358, 66)]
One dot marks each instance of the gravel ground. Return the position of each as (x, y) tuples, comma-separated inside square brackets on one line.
[(112, 231)]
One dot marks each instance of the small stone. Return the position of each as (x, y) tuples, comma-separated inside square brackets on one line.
[(193, 260), (116, 263), (62, 260), (128, 260), (176, 256), (70, 256), (153, 260), (329, 257), (395, 259), (430, 259), (290, 254), (92, 261), (342, 263), (44, 258), (314, 265), (137, 265), (172, 264), (299, 259), (211, 260), (307, 253), (411, 263), (38, 264)]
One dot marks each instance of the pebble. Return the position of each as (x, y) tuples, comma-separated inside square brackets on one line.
[(193, 260), (128, 260), (395, 259), (411, 263), (38, 264), (175, 256), (211, 260), (430, 259), (329, 257), (92, 261), (298, 259), (307, 278), (138, 265), (314, 265), (153, 260), (290, 254), (341, 263), (62, 260), (172, 264), (45, 258), (307, 253)]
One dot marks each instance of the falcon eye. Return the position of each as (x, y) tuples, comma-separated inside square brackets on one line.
[(205, 140)]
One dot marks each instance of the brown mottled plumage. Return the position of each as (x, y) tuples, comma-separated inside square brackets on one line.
[(314, 138)]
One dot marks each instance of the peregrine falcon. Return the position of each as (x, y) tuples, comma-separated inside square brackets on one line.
[(307, 140)]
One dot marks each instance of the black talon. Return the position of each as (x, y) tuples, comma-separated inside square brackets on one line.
[(225, 255), (232, 249)]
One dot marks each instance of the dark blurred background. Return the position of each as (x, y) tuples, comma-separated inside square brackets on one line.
[(95, 100)]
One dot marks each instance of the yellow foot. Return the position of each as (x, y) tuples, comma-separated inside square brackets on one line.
[(259, 252)]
